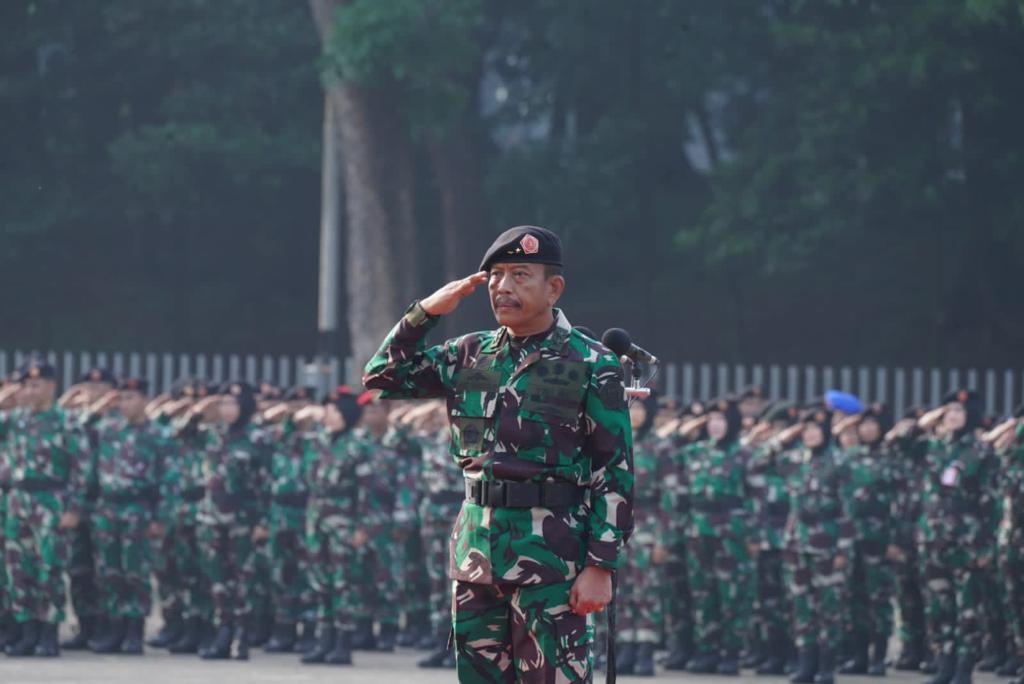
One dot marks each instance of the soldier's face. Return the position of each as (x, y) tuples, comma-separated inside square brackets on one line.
[(521, 293), (95, 390), (869, 430), (132, 404), (717, 425), (813, 436), (229, 409), (333, 419), (955, 417), (375, 417), (848, 438), (37, 392)]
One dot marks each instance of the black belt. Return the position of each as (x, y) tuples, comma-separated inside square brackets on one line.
[(776, 508), (335, 492), (720, 505), (509, 494), (815, 517), (446, 497), (39, 485), (194, 494), (131, 496), (292, 499)]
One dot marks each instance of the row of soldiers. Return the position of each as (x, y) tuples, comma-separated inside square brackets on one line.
[(267, 518), (780, 537)]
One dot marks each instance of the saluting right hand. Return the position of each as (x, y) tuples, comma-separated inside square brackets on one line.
[(445, 300)]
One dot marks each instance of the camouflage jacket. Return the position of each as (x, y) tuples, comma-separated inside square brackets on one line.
[(235, 466), (652, 510), (398, 460), (45, 448), (770, 498), (819, 519), (675, 494), (911, 471), (1013, 488), (129, 462), (872, 487), (442, 483), (550, 407), (721, 497), (342, 479), (289, 490), (961, 500)]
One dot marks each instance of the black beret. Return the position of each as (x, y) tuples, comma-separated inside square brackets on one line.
[(97, 374), (524, 245), (238, 389), (300, 393), (139, 385)]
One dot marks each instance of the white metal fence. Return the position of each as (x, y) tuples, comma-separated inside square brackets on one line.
[(1002, 390), (898, 388)]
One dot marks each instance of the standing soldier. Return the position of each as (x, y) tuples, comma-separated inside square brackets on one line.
[(720, 541), (44, 452), (93, 384), (443, 493), (1011, 564), (127, 472), (541, 432), (871, 491), (958, 529), (232, 514), (819, 534), (8, 402)]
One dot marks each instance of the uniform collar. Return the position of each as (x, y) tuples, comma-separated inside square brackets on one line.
[(555, 339)]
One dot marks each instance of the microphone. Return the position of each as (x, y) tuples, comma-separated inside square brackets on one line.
[(619, 341)]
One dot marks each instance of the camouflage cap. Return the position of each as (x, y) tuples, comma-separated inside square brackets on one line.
[(524, 244)]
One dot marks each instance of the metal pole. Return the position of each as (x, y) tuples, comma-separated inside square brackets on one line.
[(330, 214)]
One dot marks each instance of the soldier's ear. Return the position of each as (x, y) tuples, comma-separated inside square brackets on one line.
[(556, 286)]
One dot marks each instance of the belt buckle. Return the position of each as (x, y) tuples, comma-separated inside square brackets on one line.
[(494, 493)]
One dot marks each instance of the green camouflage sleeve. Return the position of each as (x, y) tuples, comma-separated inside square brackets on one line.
[(404, 367), (991, 500), (609, 443)]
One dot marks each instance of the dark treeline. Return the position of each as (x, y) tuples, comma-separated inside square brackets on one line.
[(754, 180)]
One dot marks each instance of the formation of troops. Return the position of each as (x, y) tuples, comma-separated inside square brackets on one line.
[(790, 539)]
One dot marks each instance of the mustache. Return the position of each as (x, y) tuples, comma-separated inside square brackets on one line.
[(505, 300)]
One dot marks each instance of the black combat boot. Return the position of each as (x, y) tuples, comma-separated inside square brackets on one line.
[(755, 652), (169, 633), (807, 666), (680, 648), (964, 670), (341, 654), (108, 640), (441, 656), (8, 630), (363, 639), (930, 664), (259, 630), (910, 657), (26, 644), (879, 650), (858, 662), (191, 635), (774, 662), (625, 658), (729, 664), (386, 638), (416, 623), (48, 645), (220, 646), (945, 668), (644, 666), (826, 666), (703, 663), (307, 642), (240, 640), (80, 641), (283, 640), (133, 636), (995, 654), (324, 645), (1012, 664)]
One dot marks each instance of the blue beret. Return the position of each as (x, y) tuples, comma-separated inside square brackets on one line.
[(843, 401)]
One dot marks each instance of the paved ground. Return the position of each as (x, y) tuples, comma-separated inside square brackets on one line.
[(159, 668)]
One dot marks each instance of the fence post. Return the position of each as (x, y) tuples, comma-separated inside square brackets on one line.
[(990, 392), (1008, 393), (705, 382), (687, 383), (898, 394), (774, 382)]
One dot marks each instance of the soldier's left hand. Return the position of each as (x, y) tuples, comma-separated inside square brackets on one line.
[(154, 530), (260, 533), (591, 591), (68, 521), (753, 548), (839, 562)]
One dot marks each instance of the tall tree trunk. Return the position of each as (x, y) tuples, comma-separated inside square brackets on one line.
[(381, 273)]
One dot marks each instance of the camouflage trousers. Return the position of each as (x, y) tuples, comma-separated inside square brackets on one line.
[(771, 606), (953, 600), (722, 586), (435, 534), (123, 559), (869, 590), (339, 596), (373, 569), (408, 570), (910, 597), (817, 593), (229, 564), (677, 604), (35, 554), (292, 595), (183, 589), (81, 569), (640, 610), (508, 633), (261, 582), (1011, 570)]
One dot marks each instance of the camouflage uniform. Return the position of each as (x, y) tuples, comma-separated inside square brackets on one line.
[(721, 569), (5, 488), (235, 465), (548, 408), (292, 596), (1011, 557), (81, 568), (674, 575), (408, 547), (871, 490), (909, 578), (340, 473), (960, 517), (443, 492), (44, 452), (127, 472)]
